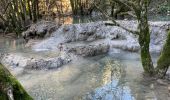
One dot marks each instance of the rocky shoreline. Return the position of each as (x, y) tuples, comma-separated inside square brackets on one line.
[(85, 40), (70, 43)]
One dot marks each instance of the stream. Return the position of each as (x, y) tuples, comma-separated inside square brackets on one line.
[(86, 78), (77, 79)]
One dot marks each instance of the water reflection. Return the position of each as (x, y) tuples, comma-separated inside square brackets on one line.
[(101, 77), (81, 77), (11, 44), (111, 92), (113, 87), (78, 19), (104, 77)]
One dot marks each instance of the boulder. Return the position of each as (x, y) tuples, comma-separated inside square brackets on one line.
[(80, 32), (89, 50), (87, 32), (19, 60), (118, 38), (40, 30)]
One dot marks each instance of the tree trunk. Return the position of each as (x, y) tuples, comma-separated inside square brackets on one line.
[(34, 10), (144, 39), (10, 88), (72, 6), (163, 62), (29, 9)]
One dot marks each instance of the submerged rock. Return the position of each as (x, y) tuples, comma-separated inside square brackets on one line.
[(110, 92), (111, 89), (161, 82)]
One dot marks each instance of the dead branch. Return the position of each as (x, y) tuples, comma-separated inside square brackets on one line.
[(116, 23)]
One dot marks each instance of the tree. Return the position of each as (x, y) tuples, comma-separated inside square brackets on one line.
[(10, 88), (14, 14), (163, 62), (139, 10), (82, 7)]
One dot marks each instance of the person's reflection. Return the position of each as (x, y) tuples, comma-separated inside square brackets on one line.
[(13, 44)]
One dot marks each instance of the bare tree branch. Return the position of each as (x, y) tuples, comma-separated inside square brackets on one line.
[(2, 18), (115, 23), (128, 13), (131, 5), (7, 7)]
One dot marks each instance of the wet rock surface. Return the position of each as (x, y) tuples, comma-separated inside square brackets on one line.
[(19, 60), (118, 38), (87, 49), (86, 39), (111, 89), (99, 77), (121, 87), (110, 92), (40, 30), (90, 50)]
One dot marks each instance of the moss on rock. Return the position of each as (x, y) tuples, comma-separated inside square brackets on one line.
[(10, 87)]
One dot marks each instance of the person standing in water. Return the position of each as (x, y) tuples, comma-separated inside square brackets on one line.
[(60, 47)]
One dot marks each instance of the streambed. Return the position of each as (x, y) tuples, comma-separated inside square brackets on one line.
[(84, 77)]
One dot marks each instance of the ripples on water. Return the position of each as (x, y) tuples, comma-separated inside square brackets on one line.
[(87, 77)]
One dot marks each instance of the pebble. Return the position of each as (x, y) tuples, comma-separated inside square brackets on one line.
[(161, 82), (169, 88), (152, 86)]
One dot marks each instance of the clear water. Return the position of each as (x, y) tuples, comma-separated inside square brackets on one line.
[(78, 19), (74, 80), (9, 43), (159, 18), (84, 75)]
